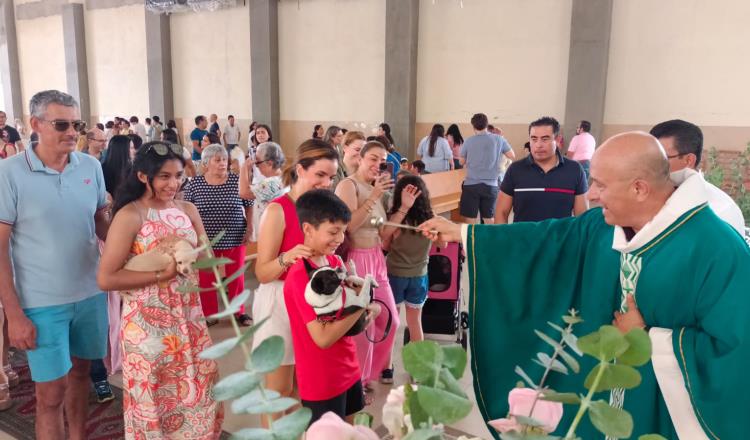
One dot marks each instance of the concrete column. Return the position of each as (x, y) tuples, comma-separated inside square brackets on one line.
[(264, 61), (159, 66), (13, 105), (76, 68), (401, 41), (591, 24)]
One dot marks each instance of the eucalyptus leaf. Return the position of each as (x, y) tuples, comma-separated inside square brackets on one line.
[(190, 287), (216, 238), (235, 385), (512, 435), (556, 345), (572, 319), (252, 329), (611, 421), (651, 437), (414, 408), (569, 398), (271, 406), (363, 419), (571, 341), (240, 272), (529, 421), (424, 434), (267, 356), (290, 427), (218, 350), (422, 360), (547, 362), (442, 406), (570, 360), (614, 376), (252, 434), (605, 344), (450, 384), (519, 371), (233, 307), (454, 359), (556, 327), (639, 351), (239, 405), (208, 263)]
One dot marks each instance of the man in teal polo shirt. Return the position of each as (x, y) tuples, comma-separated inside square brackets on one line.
[(53, 207)]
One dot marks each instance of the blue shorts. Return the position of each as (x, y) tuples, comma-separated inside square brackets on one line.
[(78, 329), (413, 290)]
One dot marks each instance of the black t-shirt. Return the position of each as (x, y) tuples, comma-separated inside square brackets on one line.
[(13, 135), (540, 196), (214, 128)]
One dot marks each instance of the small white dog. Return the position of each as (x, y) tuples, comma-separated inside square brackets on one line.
[(170, 247)]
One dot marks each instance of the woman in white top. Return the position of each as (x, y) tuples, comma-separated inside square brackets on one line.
[(435, 152), (269, 158)]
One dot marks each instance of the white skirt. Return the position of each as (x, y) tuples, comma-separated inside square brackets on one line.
[(269, 301)]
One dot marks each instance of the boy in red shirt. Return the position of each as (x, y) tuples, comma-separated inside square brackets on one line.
[(328, 373)]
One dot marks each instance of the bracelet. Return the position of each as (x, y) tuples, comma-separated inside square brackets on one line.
[(403, 212), (280, 259)]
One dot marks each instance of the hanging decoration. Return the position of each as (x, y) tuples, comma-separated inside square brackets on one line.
[(172, 6)]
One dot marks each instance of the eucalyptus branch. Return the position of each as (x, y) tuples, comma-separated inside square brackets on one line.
[(586, 402), (540, 388)]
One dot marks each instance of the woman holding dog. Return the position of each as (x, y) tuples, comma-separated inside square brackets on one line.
[(280, 244), (166, 387), (216, 195)]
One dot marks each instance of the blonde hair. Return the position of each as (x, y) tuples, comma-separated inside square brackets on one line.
[(352, 136)]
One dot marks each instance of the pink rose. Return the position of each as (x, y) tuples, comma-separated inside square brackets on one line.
[(520, 401), (330, 426)]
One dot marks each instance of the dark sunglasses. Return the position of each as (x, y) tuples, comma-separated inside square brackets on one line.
[(62, 125), (162, 149)]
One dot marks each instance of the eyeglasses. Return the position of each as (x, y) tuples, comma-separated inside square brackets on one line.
[(676, 155), (162, 149), (62, 125)]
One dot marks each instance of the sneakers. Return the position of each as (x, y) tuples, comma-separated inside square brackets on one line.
[(386, 376), (103, 392)]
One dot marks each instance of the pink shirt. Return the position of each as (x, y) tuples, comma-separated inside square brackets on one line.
[(582, 146), (321, 373)]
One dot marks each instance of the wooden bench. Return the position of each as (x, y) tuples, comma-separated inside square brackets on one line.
[(445, 191)]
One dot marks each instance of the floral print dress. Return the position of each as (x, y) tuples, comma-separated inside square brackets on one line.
[(167, 388)]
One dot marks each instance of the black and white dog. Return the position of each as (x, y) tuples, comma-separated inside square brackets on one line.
[(335, 293)]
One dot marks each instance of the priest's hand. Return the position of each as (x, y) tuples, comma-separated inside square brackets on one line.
[(630, 319), (441, 229)]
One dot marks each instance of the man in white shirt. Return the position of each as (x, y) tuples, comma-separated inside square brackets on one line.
[(137, 127), (683, 143), (231, 134), (582, 146)]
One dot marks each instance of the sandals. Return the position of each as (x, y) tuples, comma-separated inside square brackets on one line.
[(5, 402), (244, 320), (12, 376), (211, 322)]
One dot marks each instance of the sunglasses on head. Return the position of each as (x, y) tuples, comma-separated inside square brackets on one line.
[(62, 125), (162, 149)]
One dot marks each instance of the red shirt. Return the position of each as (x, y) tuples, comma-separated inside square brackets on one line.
[(321, 373), (292, 230)]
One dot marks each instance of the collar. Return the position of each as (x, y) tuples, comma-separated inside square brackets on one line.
[(690, 194), (36, 164), (560, 160)]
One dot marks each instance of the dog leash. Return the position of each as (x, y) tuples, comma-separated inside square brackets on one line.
[(388, 323)]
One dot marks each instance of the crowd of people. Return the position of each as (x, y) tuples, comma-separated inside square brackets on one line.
[(117, 190)]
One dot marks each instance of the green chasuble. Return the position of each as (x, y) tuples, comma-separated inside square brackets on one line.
[(691, 280)]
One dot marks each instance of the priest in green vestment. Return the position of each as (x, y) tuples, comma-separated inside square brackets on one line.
[(653, 237)]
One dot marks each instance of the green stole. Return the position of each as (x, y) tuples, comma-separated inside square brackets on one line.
[(692, 268)]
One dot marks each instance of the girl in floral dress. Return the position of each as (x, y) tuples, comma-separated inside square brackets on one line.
[(167, 387)]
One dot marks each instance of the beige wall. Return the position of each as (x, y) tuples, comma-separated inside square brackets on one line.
[(211, 64), (116, 55), (41, 56), (331, 65), (681, 59), (505, 58)]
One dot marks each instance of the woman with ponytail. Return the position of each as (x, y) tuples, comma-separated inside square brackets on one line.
[(280, 245), (435, 152), (167, 388)]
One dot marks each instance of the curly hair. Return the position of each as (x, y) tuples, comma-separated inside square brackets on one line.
[(421, 211)]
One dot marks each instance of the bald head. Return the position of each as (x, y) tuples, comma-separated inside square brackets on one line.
[(634, 155)]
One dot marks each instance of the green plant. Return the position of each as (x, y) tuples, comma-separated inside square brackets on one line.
[(245, 388), (617, 354), (735, 179)]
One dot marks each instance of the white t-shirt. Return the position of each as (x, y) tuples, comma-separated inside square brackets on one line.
[(725, 208), (232, 134), (140, 130)]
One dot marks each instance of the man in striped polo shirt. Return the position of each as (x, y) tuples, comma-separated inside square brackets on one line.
[(545, 184)]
